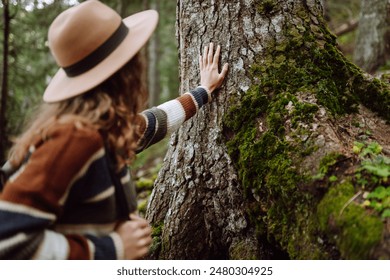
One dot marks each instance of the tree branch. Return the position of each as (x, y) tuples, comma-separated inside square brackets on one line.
[(346, 27)]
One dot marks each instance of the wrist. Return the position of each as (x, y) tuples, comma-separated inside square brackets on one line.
[(208, 92)]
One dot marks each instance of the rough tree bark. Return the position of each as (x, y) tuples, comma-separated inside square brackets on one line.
[(373, 38), (266, 170)]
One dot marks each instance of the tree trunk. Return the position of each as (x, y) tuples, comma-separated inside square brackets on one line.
[(4, 82), (153, 60), (373, 39), (266, 170)]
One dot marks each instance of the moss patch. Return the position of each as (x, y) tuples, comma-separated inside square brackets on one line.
[(352, 228), (326, 164), (242, 251), (144, 184), (306, 60), (157, 245), (266, 164)]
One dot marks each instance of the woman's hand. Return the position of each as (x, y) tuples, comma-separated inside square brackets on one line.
[(136, 237), (208, 64)]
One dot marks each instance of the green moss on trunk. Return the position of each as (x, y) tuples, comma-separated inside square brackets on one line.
[(157, 244), (307, 60)]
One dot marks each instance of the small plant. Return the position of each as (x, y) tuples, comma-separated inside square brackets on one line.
[(375, 167), (379, 200), (374, 173), (327, 162), (332, 178), (363, 149)]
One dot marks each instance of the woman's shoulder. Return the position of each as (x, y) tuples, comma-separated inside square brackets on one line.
[(67, 148), (76, 131), (77, 138)]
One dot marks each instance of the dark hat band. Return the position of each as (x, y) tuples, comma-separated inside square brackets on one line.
[(99, 54)]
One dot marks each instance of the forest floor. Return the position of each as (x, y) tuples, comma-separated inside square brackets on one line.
[(144, 172)]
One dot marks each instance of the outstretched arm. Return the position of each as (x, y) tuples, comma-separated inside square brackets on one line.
[(160, 121)]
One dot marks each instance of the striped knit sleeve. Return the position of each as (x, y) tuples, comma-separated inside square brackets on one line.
[(158, 122), (34, 197)]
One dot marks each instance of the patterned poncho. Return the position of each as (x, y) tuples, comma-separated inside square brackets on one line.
[(60, 204)]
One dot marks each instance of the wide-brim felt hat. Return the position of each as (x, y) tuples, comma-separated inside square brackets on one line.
[(90, 42)]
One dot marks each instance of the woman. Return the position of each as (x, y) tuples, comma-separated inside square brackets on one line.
[(70, 194)]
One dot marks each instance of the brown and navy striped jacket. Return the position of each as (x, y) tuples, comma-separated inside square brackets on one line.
[(60, 203)]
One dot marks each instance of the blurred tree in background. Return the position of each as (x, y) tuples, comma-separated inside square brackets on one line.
[(372, 45), (4, 79), (161, 51), (362, 27), (27, 65), (343, 18)]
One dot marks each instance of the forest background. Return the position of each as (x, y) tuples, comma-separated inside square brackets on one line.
[(27, 65)]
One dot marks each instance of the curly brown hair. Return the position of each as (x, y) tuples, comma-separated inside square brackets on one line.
[(111, 108)]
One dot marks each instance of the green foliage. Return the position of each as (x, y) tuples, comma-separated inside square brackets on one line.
[(386, 213), (145, 183), (325, 164), (375, 167), (30, 62), (333, 178), (379, 167), (373, 174), (367, 149), (168, 64), (380, 193), (379, 200)]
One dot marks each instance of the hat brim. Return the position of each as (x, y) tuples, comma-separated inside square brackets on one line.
[(141, 26)]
